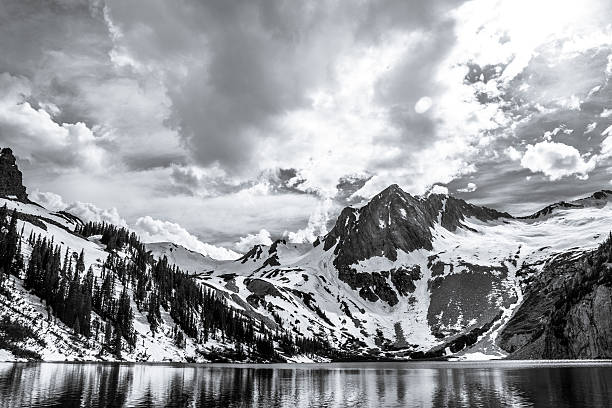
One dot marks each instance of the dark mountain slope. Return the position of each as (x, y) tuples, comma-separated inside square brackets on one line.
[(395, 220), (567, 310)]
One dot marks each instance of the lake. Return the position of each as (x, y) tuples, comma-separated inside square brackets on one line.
[(413, 384)]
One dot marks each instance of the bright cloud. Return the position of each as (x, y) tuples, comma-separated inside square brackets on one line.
[(50, 201), (34, 131), (423, 104), (317, 224), (557, 160), (438, 189), (512, 153), (155, 230), (247, 242), (590, 127), (468, 189), (89, 212)]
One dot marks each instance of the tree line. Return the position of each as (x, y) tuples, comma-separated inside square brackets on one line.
[(130, 273)]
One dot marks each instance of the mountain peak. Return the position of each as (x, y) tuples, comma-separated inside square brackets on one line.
[(392, 189), (395, 220)]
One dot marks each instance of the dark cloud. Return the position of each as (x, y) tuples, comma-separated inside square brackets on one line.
[(249, 63), (385, 15), (140, 163), (349, 185), (243, 64), (504, 187), (413, 78), (278, 102)]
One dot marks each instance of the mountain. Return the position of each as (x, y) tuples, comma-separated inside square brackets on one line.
[(400, 277), (408, 276)]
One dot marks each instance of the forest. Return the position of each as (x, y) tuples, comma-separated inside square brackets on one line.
[(101, 307)]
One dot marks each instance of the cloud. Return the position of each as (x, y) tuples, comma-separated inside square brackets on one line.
[(247, 242), (590, 127), (85, 211), (606, 146), (155, 230), (90, 212), (317, 224), (471, 187), (557, 160), (226, 116), (294, 87), (512, 153), (438, 189), (50, 201), (34, 131), (423, 104), (148, 228)]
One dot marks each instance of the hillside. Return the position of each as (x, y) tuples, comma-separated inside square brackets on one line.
[(449, 297), (76, 291)]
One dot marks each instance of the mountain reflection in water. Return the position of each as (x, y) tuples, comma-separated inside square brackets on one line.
[(427, 384)]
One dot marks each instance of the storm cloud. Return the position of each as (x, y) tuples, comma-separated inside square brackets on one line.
[(229, 117)]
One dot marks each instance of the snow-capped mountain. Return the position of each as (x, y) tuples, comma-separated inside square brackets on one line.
[(408, 275), (401, 276)]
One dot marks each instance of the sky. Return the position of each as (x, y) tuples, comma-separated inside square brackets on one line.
[(223, 124)]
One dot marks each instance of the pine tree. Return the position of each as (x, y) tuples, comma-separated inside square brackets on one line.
[(117, 343), (76, 327)]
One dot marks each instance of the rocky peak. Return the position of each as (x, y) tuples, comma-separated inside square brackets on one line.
[(394, 220), (10, 176)]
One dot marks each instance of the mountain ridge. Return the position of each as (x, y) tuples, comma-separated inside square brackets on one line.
[(401, 277)]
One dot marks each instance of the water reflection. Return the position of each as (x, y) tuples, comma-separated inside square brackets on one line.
[(351, 385)]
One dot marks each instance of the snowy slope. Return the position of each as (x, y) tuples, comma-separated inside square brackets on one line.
[(54, 341), (470, 279), (461, 279)]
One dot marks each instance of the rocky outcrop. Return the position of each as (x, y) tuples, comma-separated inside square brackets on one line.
[(11, 177), (566, 313), (371, 286), (588, 328)]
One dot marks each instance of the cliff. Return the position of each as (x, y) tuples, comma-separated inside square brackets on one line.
[(566, 311), (11, 184)]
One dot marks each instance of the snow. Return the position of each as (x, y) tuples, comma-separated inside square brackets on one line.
[(493, 243), (60, 344), (478, 356), (309, 270), (187, 260), (6, 355)]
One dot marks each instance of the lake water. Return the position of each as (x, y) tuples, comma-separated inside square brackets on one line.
[(414, 384)]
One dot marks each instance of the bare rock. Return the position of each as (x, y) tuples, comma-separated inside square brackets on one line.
[(11, 179)]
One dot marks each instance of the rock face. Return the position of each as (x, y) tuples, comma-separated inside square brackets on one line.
[(10, 176), (467, 300), (566, 311), (393, 220)]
